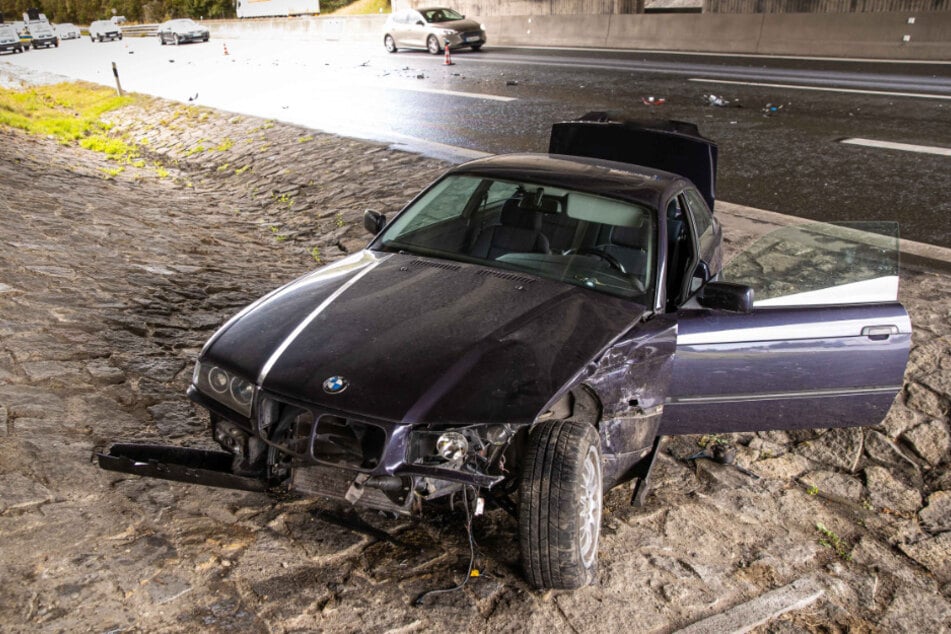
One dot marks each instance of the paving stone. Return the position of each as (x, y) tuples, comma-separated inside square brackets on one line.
[(933, 553), (785, 467), (835, 484), (20, 492), (931, 441), (926, 401), (166, 588), (840, 448), (885, 491), (43, 371), (914, 609), (936, 516), (747, 616), (104, 373)]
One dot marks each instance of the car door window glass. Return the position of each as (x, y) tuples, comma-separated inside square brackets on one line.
[(702, 219), (820, 264)]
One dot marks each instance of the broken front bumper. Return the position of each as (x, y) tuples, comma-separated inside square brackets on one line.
[(181, 464)]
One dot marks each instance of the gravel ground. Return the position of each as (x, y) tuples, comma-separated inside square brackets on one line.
[(109, 286)]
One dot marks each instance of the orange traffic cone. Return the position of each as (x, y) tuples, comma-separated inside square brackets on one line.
[(226, 47), (448, 61)]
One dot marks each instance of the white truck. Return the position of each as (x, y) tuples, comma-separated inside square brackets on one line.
[(277, 8)]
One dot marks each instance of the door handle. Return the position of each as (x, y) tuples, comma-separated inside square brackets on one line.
[(879, 333)]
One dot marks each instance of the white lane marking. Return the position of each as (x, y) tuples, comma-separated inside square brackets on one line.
[(455, 93), (651, 51), (907, 147), (822, 88)]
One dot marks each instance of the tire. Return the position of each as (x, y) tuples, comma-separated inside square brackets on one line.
[(560, 496), (101, 39), (205, 39), (161, 39), (389, 44), (92, 38), (120, 36), (432, 45), (476, 47)]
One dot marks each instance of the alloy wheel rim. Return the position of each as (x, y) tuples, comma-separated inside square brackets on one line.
[(590, 507)]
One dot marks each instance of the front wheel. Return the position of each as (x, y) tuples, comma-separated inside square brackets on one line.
[(389, 44), (560, 495), (476, 47), (432, 45)]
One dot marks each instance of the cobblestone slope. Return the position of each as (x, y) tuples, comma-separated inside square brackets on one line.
[(110, 284)]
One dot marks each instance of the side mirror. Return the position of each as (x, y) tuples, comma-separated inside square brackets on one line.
[(735, 298), (373, 221), (420, 23)]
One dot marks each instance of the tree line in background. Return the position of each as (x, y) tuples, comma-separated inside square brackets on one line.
[(147, 11)]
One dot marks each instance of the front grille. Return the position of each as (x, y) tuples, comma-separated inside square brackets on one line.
[(322, 437), (333, 482)]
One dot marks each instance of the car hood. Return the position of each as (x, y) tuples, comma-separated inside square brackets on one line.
[(457, 25), (422, 340)]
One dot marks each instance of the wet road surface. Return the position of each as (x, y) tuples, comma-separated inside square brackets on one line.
[(785, 158)]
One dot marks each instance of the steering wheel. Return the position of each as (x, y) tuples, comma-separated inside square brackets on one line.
[(604, 255)]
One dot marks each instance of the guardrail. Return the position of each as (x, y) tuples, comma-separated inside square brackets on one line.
[(140, 30)]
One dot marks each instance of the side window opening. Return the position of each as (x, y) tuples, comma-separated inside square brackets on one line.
[(680, 252)]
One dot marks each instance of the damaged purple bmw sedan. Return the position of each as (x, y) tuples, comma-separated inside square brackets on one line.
[(527, 329)]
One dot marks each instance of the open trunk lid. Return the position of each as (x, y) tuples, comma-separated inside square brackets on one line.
[(672, 146)]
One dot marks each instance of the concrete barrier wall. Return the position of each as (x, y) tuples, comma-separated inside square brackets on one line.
[(873, 35)]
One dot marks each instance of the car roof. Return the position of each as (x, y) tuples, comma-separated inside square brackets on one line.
[(642, 185)]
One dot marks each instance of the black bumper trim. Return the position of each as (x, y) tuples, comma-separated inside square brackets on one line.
[(181, 464)]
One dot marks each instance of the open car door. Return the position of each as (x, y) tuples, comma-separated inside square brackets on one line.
[(825, 345)]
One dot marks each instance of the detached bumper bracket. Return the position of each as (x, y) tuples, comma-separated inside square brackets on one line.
[(181, 464)]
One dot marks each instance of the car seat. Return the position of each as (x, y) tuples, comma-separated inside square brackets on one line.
[(519, 231)]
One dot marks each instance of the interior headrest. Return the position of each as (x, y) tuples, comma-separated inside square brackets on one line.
[(630, 237), (515, 216)]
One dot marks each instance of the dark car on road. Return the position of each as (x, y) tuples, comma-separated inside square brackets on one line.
[(41, 35), (181, 31), (526, 330), (10, 39), (432, 30)]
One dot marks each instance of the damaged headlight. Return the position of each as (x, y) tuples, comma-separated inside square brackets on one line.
[(454, 447), (227, 388)]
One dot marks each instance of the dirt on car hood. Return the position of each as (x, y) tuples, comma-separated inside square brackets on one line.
[(422, 340)]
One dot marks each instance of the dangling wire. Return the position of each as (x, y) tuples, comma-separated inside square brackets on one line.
[(472, 546)]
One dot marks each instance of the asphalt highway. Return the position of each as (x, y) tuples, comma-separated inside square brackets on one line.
[(780, 123)]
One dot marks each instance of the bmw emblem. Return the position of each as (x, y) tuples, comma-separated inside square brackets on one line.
[(335, 385)]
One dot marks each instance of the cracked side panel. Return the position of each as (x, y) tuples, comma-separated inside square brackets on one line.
[(631, 382)]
